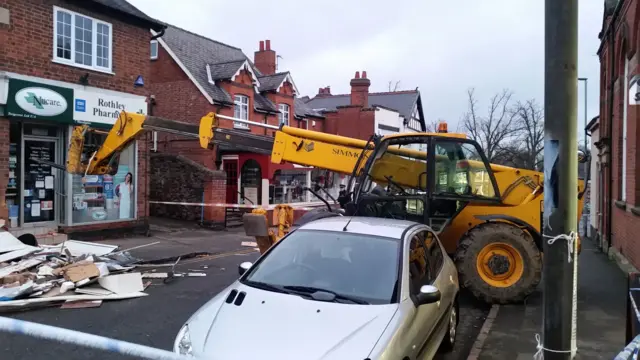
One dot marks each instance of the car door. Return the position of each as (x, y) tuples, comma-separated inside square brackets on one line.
[(419, 275)]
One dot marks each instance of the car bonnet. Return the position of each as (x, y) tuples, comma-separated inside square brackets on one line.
[(270, 325)]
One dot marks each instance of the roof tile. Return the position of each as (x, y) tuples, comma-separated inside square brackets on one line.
[(401, 101)]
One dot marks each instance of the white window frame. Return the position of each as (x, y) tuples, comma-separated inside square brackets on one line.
[(285, 113), (238, 102), (623, 189), (152, 44), (94, 42)]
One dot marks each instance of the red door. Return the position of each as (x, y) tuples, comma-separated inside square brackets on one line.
[(231, 168)]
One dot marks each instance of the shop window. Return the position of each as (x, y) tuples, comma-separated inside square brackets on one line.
[(12, 195), (251, 182), (241, 110), (288, 187), (82, 41), (98, 198)]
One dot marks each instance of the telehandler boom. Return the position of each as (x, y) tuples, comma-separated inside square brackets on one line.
[(488, 216)]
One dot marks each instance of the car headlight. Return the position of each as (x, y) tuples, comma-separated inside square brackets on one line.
[(182, 344)]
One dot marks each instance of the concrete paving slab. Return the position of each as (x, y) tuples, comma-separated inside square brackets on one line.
[(601, 315)]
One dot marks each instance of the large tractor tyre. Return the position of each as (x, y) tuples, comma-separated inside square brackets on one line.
[(499, 263)]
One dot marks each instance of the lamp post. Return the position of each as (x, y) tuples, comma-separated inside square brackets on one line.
[(585, 111), (584, 216)]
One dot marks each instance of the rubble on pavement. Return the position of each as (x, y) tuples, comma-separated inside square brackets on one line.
[(78, 274)]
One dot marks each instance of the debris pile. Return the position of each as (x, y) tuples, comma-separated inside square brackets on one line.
[(79, 274)]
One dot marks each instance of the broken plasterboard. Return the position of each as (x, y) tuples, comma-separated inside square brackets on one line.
[(81, 304), (8, 243), (23, 302), (78, 248), (22, 265), (122, 283)]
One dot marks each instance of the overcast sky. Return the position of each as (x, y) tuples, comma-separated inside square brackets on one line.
[(441, 48)]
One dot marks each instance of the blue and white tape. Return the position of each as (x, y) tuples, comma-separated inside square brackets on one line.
[(22, 327)]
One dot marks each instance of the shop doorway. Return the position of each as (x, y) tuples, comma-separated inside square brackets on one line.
[(250, 182), (230, 167), (40, 181)]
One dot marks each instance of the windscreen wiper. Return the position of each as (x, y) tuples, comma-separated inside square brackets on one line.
[(335, 296), (265, 286)]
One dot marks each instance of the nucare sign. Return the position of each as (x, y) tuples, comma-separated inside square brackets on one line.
[(39, 101)]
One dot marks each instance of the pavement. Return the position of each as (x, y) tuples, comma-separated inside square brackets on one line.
[(155, 320), (510, 330)]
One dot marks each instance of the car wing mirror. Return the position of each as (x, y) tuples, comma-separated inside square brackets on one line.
[(243, 267), (429, 294)]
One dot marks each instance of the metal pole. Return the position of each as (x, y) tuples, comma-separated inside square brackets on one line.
[(561, 178)]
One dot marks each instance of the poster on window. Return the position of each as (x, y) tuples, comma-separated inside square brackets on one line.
[(103, 197)]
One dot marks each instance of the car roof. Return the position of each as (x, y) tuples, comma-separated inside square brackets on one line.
[(364, 225)]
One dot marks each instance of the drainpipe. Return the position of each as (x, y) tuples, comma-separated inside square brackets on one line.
[(612, 72), (158, 35)]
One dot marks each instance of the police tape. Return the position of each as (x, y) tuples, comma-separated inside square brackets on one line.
[(236, 206), (21, 327)]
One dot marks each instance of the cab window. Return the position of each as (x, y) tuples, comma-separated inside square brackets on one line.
[(419, 270), (434, 254), (461, 171)]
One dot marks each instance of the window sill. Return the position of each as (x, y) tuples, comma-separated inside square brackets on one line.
[(620, 204), (635, 210), (240, 127), (68, 63)]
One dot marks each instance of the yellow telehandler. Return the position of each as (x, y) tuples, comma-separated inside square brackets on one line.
[(488, 216)]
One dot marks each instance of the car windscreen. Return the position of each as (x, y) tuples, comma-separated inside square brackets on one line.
[(355, 265)]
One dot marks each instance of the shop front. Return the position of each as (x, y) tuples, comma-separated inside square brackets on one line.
[(39, 115)]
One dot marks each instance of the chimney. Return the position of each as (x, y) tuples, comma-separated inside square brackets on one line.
[(265, 58), (360, 89), (325, 91)]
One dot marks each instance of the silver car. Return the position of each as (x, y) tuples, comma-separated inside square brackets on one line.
[(335, 288)]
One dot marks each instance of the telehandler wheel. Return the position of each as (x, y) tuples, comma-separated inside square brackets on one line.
[(499, 263)]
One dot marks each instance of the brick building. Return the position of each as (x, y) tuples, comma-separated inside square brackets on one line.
[(62, 63), (191, 76), (360, 113), (615, 146)]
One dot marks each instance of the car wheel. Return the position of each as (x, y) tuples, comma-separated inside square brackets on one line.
[(449, 339)]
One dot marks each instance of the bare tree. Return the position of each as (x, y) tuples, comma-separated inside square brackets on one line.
[(394, 87), (495, 129), (530, 125)]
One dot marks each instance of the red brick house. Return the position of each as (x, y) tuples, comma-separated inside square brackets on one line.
[(191, 76), (361, 113), (64, 63), (616, 151)]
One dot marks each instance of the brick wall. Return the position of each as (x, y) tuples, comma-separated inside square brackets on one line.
[(625, 215), (175, 178), (27, 46)]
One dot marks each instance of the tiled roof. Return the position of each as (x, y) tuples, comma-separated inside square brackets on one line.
[(271, 82), (302, 110), (225, 70), (125, 7), (401, 101), (195, 52)]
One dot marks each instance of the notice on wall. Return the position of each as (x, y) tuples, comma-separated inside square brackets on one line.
[(48, 182), (251, 193), (35, 209)]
